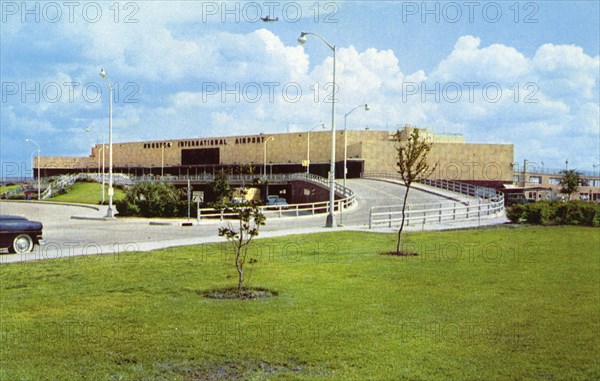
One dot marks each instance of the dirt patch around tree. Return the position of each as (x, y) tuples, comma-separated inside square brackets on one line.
[(194, 370), (257, 293)]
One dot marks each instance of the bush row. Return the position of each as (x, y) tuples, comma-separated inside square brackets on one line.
[(153, 199), (149, 209), (556, 213)]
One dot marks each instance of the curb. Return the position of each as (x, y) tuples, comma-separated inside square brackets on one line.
[(158, 223), (175, 223), (92, 218), (53, 203)]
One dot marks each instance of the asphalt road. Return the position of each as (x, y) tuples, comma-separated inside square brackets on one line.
[(66, 237)]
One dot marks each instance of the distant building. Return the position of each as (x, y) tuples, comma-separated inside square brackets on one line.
[(544, 184)]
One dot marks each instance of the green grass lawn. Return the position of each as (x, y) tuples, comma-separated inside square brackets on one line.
[(494, 304), (87, 193), (8, 188)]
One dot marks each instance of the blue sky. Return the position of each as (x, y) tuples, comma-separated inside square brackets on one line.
[(525, 73)]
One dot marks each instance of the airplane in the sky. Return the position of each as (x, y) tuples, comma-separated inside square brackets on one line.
[(268, 19)]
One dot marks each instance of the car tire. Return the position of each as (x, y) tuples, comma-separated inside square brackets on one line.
[(21, 244)]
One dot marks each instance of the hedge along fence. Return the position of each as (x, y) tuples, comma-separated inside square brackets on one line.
[(556, 213)]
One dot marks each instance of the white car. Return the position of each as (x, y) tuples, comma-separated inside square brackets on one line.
[(276, 202)]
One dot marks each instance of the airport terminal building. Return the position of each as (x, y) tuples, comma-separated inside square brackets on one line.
[(367, 151)]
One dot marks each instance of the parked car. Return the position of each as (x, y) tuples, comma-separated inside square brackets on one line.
[(516, 198), (276, 202), (18, 234), (239, 200)]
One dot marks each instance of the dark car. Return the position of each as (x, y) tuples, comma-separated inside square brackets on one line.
[(18, 234)]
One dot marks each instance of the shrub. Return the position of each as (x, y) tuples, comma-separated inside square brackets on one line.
[(17, 196), (577, 213), (85, 180), (556, 213), (62, 191), (516, 213), (596, 219), (540, 213), (151, 199), (125, 208), (182, 207)]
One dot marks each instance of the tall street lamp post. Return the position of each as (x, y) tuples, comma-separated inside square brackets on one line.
[(265, 165), (103, 161), (111, 191), (330, 222), (322, 125), (265, 155), (103, 169), (162, 159), (38, 168), (346, 139), (33, 155)]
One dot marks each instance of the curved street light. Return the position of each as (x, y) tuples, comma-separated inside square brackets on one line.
[(111, 191), (330, 223), (38, 169), (346, 139)]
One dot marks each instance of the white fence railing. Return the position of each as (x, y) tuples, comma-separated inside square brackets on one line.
[(118, 178), (435, 213), (55, 184), (290, 210), (293, 210), (463, 188), (489, 203), (59, 183)]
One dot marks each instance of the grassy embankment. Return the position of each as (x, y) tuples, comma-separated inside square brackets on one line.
[(86, 193)]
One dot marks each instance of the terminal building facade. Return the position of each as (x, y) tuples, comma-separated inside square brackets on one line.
[(366, 151)]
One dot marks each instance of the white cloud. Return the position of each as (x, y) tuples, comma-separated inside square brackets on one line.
[(586, 121), (468, 62), (566, 71)]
